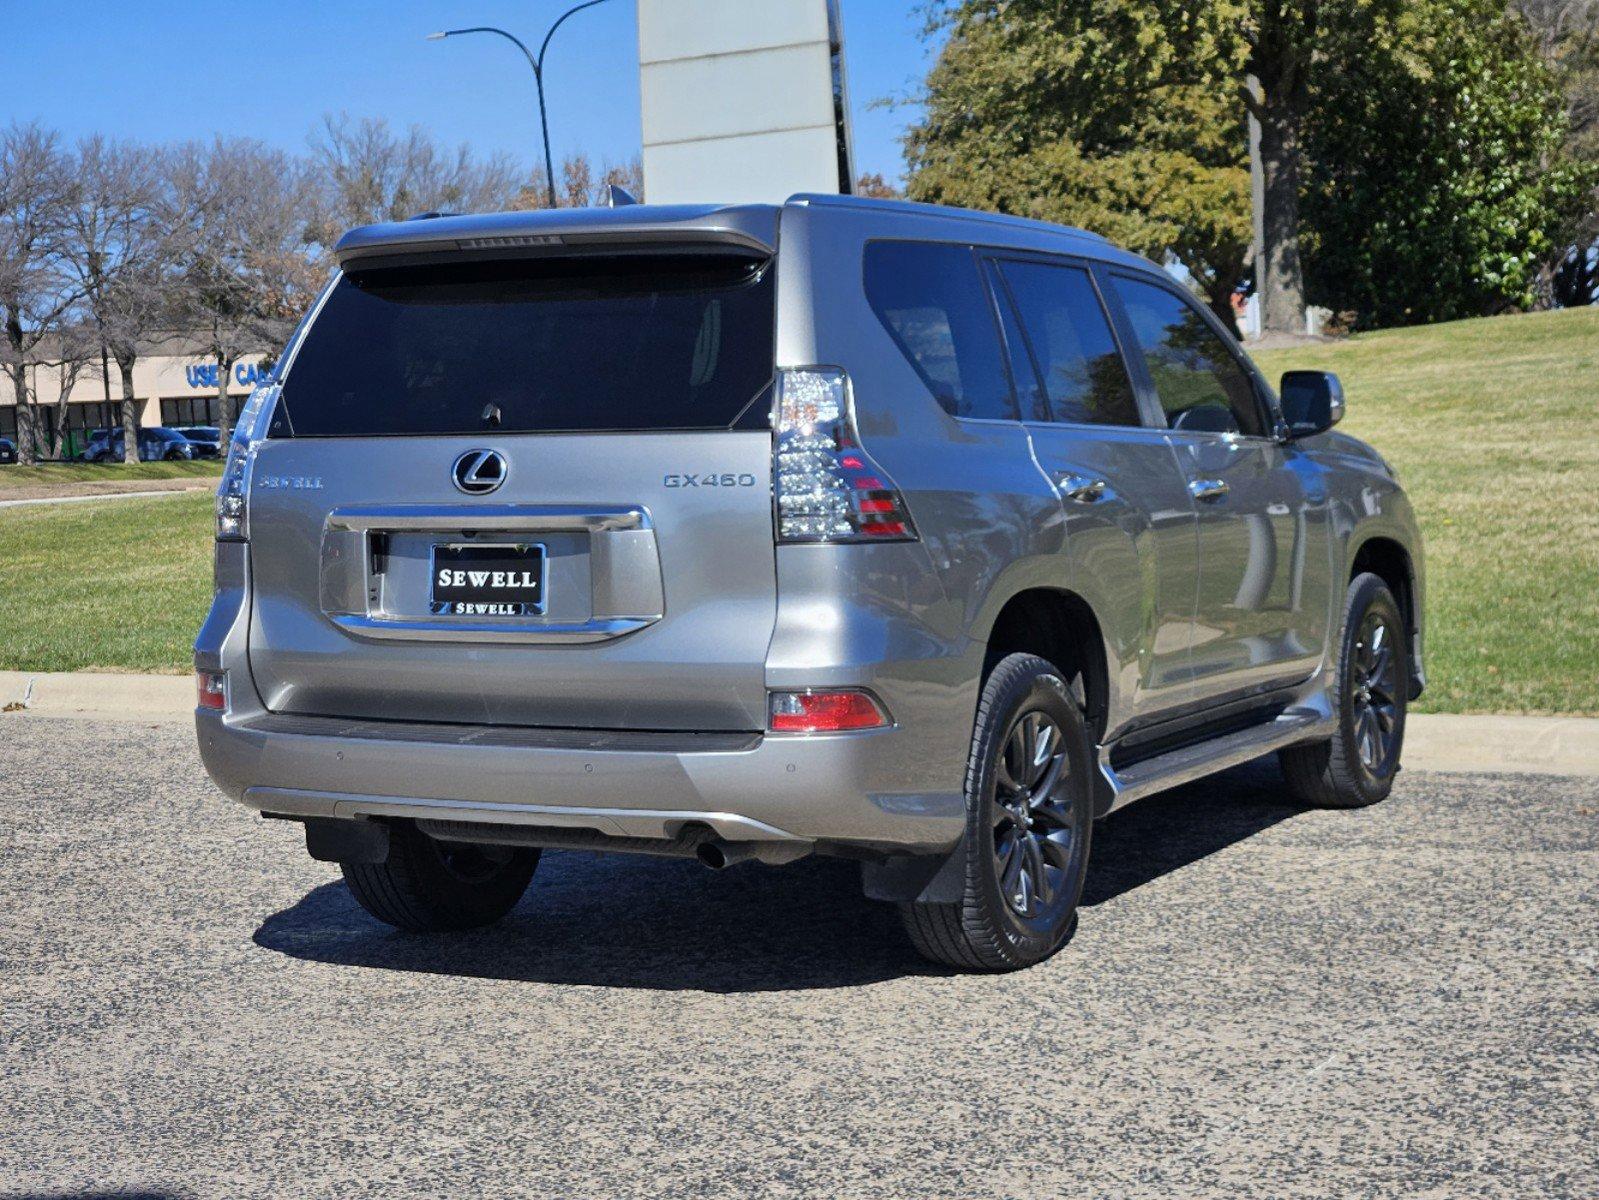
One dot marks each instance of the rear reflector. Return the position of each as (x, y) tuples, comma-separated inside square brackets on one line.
[(212, 687), (825, 712)]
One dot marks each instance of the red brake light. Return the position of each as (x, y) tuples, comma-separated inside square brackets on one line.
[(825, 712)]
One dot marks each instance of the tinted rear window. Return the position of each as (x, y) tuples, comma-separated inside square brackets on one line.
[(533, 346), (934, 304)]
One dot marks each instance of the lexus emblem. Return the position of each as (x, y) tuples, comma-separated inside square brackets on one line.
[(479, 472)]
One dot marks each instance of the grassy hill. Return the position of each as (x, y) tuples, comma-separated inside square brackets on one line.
[(1493, 426)]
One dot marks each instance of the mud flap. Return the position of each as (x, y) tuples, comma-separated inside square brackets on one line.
[(917, 878), (365, 842)]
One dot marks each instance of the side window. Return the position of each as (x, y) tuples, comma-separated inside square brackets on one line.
[(1085, 381), (931, 300), (1201, 385)]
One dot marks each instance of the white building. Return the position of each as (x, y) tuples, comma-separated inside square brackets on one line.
[(174, 383)]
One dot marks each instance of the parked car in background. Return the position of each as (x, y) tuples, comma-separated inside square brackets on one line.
[(156, 444), (8, 451), (912, 536), (207, 439)]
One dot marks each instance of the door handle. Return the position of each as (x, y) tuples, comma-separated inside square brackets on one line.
[(1079, 488), (1209, 490)]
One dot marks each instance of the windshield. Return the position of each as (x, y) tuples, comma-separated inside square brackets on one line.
[(656, 342)]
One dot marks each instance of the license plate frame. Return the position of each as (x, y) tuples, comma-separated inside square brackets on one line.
[(486, 599)]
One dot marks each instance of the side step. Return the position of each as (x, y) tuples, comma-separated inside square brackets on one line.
[(1207, 758)]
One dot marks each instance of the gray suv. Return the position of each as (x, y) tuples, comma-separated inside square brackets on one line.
[(897, 533)]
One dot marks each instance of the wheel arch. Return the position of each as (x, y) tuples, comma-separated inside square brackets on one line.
[(1389, 560), (1060, 626)]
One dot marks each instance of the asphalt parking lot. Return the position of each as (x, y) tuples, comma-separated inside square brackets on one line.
[(1260, 1001)]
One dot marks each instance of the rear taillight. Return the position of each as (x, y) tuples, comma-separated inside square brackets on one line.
[(211, 689), (233, 493), (825, 712), (828, 488)]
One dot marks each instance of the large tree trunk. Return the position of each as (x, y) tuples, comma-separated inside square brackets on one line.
[(224, 415), (16, 369), (1282, 280), (130, 411), (26, 454)]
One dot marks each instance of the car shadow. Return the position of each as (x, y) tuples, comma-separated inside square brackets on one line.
[(1170, 830), (672, 925)]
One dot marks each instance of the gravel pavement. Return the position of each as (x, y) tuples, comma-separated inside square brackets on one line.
[(1259, 1001)]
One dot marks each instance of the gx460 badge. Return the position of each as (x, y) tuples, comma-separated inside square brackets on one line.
[(727, 480)]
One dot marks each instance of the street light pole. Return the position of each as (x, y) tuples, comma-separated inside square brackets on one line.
[(536, 61)]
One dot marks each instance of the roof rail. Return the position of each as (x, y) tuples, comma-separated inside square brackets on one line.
[(434, 214), (949, 212)]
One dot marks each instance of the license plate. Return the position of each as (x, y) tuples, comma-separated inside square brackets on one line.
[(484, 579)]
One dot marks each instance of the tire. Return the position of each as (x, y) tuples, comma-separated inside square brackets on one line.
[(1005, 920), (1351, 770), (428, 886)]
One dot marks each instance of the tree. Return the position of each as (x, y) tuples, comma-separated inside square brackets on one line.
[(121, 240), (1440, 184), (249, 272), (370, 174), (579, 187), (1117, 116), (1566, 33), (873, 186), (36, 291)]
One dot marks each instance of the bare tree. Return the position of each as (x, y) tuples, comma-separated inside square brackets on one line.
[(36, 290), (250, 271), (577, 181), (122, 238), (581, 185), (74, 350), (369, 173)]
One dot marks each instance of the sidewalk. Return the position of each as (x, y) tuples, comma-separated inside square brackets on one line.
[(1531, 745)]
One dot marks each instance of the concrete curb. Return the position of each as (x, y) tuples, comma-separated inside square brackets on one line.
[(1532, 745), (93, 496), (99, 697)]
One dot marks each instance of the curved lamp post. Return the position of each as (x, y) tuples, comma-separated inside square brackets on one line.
[(536, 61)]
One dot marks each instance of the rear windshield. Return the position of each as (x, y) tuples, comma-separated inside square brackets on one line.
[(535, 346)]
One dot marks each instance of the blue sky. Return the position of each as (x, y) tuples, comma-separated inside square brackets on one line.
[(178, 69)]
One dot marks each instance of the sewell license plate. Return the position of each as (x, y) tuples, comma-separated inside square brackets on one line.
[(488, 579)]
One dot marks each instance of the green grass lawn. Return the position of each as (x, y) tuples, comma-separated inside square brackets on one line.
[(19, 476), (119, 585), (1493, 426)]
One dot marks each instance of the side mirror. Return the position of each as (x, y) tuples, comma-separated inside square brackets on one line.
[(1312, 402)]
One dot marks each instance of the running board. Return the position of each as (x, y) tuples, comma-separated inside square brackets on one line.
[(1182, 766)]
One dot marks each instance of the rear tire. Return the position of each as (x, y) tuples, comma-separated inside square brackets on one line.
[(1028, 824), (1356, 767), (428, 886)]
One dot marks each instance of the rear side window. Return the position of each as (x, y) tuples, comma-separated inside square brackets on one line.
[(1084, 379), (1201, 385), (931, 300), (536, 346)]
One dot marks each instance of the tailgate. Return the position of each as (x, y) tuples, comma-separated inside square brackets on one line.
[(657, 599)]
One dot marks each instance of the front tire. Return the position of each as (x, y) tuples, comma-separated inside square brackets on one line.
[(428, 886), (1029, 821), (1356, 767)]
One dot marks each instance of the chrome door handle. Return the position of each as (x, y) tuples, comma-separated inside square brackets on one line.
[(1209, 490), (1080, 489)]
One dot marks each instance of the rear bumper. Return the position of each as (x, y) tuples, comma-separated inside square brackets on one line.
[(838, 789)]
